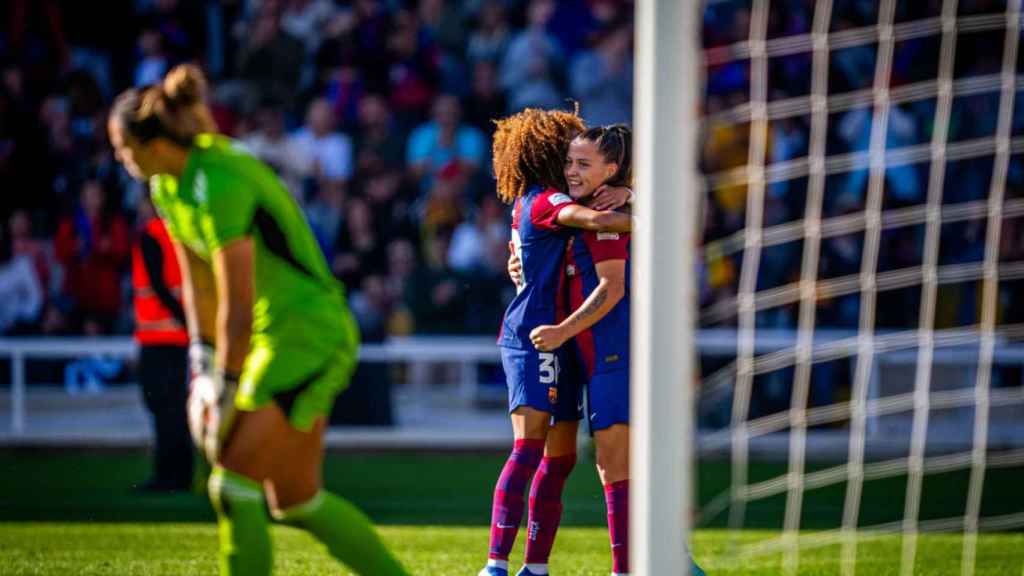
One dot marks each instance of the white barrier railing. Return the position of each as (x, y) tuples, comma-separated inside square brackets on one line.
[(470, 352), (466, 352)]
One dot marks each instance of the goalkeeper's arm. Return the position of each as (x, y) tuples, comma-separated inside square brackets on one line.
[(233, 271), (199, 297)]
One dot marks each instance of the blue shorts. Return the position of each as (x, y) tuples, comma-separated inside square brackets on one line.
[(547, 381), (608, 399)]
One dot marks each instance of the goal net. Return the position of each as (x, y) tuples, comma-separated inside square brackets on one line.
[(861, 296)]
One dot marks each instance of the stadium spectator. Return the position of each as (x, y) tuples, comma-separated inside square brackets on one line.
[(269, 61), (56, 119), (854, 129), (38, 255), (179, 23), (92, 245), (372, 307), (21, 297), (789, 141), (477, 252), (377, 143), (413, 68), (490, 38), (339, 77), (371, 22), (23, 243), (326, 154), (160, 330), (326, 215), (153, 63), (307, 20), (358, 250), (390, 204), (600, 78), (486, 102), (433, 293), (445, 144), (366, 402), (445, 24), (475, 242), (269, 142), (401, 266), (443, 208), (529, 70)]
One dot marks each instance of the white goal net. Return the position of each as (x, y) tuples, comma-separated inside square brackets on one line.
[(861, 300)]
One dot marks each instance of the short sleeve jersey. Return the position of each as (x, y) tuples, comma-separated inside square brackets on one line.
[(605, 346), (225, 194), (540, 242)]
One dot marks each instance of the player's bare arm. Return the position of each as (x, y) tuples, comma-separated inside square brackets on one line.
[(611, 288), (576, 216), (232, 266), (198, 289), (606, 198)]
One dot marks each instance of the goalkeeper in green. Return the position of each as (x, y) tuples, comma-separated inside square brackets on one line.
[(273, 341)]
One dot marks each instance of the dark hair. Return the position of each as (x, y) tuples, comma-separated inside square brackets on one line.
[(174, 109), (530, 148), (615, 143)]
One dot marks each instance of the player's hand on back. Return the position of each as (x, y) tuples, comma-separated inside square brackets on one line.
[(547, 338), (515, 266)]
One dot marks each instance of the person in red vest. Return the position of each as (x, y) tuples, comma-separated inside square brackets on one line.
[(91, 245), (163, 360)]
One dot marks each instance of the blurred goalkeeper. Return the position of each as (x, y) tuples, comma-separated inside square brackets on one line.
[(272, 339)]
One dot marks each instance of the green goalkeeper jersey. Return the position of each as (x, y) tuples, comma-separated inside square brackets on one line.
[(225, 194)]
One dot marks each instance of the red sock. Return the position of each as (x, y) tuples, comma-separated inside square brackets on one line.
[(507, 509), (546, 506), (616, 496)]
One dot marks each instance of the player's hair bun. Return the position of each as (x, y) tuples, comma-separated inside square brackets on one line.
[(184, 85)]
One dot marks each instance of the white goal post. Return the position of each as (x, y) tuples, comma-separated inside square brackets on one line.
[(663, 287)]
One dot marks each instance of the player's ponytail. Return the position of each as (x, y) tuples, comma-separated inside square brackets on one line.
[(184, 86), (174, 109)]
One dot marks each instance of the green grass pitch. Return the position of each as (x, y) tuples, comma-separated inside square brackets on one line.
[(72, 512), (154, 548)]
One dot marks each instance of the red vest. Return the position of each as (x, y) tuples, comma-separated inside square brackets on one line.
[(154, 323)]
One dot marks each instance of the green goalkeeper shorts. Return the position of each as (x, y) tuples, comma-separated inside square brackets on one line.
[(302, 384)]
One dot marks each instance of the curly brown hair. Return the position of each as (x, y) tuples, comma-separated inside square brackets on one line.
[(530, 148)]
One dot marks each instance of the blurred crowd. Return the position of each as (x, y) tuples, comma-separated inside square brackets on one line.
[(914, 60), (377, 115)]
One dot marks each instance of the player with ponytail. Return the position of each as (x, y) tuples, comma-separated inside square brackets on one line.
[(273, 341)]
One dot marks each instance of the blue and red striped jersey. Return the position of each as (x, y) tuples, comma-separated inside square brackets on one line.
[(539, 241), (604, 347)]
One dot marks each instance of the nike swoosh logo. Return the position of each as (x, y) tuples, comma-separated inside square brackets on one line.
[(505, 526), (594, 415), (619, 545)]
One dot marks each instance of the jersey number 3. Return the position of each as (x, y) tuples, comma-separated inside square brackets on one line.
[(549, 368)]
